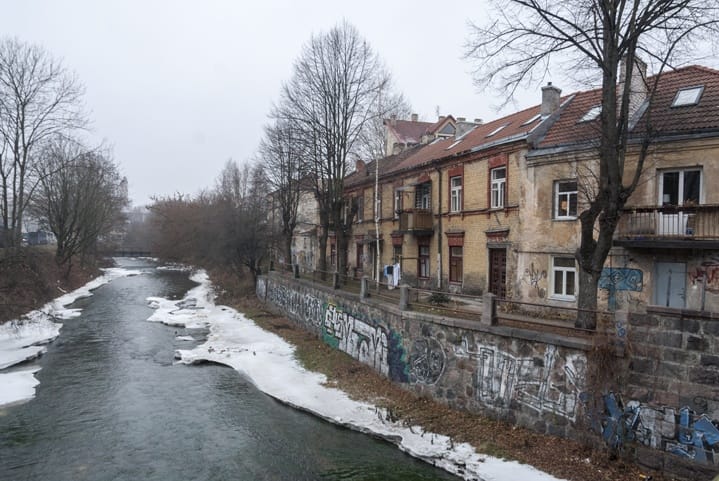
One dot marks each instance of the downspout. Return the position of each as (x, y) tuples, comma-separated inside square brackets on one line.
[(439, 237), (377, 216)]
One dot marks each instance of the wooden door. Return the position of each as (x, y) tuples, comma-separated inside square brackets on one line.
[(498, 272)]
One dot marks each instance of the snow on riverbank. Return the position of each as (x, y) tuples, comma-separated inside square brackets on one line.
[(268, 361), (26, 338)]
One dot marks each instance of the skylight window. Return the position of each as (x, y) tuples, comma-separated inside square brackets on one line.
[(533, 119), (498, 129), (688, 96), (591, 114)]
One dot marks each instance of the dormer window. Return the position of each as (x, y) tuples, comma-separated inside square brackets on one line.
[(591, 114), (498, 129), (688, 96)]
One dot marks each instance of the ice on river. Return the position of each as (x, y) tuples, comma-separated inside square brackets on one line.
[(269, 362), (26, 338)]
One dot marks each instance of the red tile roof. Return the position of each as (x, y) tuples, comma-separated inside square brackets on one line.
[(665, 120), (408, 132)]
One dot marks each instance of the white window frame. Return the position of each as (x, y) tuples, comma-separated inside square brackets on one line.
[(680, 195), (424, 201), (562, 270), (498, 187), (455, 185), (397, 203), (559, 197), (688, 96)]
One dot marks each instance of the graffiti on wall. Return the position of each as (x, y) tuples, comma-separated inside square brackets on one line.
[(427, 361), (617, 280), (706, 274), (534, 277), (306, 307), (684, 433), (545, 382), (261, 288), (365, 342)]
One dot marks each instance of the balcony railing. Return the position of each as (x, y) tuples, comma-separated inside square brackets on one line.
[(415, 220), (695, 222)]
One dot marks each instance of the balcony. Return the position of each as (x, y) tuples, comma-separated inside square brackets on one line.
[(678, 227), (418, 221)]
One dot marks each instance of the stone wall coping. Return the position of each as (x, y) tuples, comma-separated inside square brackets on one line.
[(504, 331), (674, 312)]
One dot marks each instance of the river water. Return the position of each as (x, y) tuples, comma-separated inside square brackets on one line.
[(112, 405)]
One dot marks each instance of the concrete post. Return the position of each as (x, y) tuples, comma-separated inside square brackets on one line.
[(296, 270), (364, 287), (489, 309), (335, 280), (403, 297)]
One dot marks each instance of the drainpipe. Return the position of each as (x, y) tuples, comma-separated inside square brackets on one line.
[(439, 236)]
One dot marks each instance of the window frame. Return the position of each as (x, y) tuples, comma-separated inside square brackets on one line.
[(360, 208), (423, 196), (564, 270), (456, 264), (498, 186), (568, 193), (680, 187), (423, 260), (397, 203), (455, 194)]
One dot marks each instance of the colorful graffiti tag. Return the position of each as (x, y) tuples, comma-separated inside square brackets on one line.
[(620, 279), (545, 383), (427, 361), (685, 434)]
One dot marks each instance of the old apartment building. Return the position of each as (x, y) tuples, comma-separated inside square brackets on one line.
[(494, 207)]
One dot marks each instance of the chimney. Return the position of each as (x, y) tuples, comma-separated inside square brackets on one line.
[(360, 165), (638, 90), (393, 120), (550, 99), (461, 119), (478, 121), (441, 118), (415, 117)]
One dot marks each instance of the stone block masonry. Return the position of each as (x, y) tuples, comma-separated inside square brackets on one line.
[(666, 411)]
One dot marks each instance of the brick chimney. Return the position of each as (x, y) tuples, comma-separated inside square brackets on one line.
[(638, 90), (360, 166), (478, 121), (550, 99), (393, 120), (414, 117)]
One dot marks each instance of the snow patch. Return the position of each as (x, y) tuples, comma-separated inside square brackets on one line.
[(23, 339)]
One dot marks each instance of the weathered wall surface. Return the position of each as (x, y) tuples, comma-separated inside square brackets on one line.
[(666, 412), (528, 381)]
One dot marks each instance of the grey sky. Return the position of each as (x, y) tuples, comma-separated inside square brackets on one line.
[(178, 87)]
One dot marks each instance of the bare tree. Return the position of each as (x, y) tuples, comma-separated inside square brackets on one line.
[(80, 198), (39, 99), (372, 144), (526, 38), (281, 152), (331, 97)]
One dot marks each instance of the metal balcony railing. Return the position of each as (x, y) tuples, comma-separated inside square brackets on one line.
[(415, 220), (670, 222)]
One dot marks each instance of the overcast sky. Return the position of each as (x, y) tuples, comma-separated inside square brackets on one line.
[(179, 87)]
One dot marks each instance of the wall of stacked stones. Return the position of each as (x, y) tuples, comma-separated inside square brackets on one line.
[(664, 412)]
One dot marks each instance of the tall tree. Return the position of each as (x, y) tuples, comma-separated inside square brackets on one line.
[(526, 38), (335, 84), (80, 198), (281, 152), (39, 99)]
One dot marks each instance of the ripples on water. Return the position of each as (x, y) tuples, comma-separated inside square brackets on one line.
[(111, 405)]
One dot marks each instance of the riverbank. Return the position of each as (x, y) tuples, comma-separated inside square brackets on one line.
[(30, 278), (572, 460)]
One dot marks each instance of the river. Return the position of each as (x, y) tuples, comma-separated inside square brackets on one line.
[(113, 405)]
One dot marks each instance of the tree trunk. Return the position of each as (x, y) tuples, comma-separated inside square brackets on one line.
[(287, 240)]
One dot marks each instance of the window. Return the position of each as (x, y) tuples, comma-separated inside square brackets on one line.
[(680, 187), (360, 209), (455, 264), (688, 96), (396, 254), (360, 256), (333, 255), (455, 187), (423, 262), (378, 204), (422, 196), (532, 120), (565, 199), (591, 114), (397, 203), (564, 274), (498, 181)]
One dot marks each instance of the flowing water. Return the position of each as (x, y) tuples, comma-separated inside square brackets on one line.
[(112, 405)]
